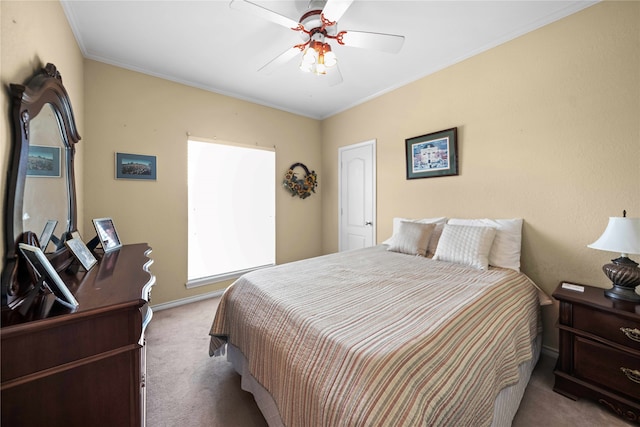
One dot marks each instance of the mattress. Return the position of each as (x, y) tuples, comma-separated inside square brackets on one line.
[(504, 408), (372, 337)]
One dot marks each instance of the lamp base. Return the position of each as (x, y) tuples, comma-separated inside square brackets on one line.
[(625, 275), (619, 292)]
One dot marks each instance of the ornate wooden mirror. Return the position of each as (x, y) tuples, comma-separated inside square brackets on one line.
[(41, 182)]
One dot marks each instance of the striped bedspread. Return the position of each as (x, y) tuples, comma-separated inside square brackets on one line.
[(376, 338)]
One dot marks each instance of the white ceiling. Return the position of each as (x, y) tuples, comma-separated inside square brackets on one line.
[(208, 45)]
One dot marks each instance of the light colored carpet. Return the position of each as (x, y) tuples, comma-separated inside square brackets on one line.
[(186, 387)]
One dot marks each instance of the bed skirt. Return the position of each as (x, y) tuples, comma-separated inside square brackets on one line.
[(505, 407)]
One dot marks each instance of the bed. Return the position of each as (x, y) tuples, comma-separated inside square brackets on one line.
[(420, 330)]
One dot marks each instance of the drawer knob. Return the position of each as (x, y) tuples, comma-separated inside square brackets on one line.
[(632, 374), (632, 334)]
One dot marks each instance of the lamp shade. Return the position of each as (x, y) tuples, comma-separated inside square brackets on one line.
[(622, 235)]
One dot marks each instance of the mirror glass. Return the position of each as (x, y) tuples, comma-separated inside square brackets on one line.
[(46, 191)]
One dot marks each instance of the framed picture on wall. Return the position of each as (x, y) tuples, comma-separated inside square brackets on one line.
[(433, 154), (135, 166), (107, 234), (43, 161)]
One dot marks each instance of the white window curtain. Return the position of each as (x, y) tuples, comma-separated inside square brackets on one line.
[(231, 207)]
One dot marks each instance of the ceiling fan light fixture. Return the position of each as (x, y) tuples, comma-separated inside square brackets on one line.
[(310, 55), (330, 58), (321, 66), (317, 57), (317, 24), (307, 67)]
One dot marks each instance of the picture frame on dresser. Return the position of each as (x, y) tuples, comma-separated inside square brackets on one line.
[(47, 275), (81, 253), (47, 234), (107, 234)]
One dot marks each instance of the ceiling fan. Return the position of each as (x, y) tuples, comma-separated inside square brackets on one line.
[(317, 26)]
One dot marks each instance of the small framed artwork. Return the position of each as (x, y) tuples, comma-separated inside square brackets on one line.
[(45, 272), (107, 234), (82, 253), (47, 233), (431, 155), (135, 166), (43, 161)]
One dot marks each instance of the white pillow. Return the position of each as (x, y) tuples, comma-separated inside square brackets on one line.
[(433, 243), (412, 238), (507, 245), (435, 237), (466, 244)]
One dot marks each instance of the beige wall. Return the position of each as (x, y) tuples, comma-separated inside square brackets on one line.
[(134, 113), (548, 128), (33, 33)]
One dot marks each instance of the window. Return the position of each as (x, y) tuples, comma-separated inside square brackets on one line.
[(231, 219)]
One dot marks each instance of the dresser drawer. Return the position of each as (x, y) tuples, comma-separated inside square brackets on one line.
[(606, 366), (614, 328)]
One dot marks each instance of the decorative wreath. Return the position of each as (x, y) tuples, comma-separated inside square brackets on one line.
[(301, 187)]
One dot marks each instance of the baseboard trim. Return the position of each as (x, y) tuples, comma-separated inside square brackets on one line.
[(548, 351), (183, 301)]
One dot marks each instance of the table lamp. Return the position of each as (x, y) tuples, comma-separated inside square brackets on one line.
[(622, 235)]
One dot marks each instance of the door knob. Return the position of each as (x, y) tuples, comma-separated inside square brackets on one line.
[(368, 223)]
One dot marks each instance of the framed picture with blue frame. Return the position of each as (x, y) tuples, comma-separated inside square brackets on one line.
[(431, 155), (44, 161), (135, 166)]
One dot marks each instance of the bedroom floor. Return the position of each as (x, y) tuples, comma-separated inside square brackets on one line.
[(186, 387)]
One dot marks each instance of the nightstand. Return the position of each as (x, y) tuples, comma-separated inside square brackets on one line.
[(599, 355)]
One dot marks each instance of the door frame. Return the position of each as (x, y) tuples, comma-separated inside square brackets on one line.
[(372, 143)]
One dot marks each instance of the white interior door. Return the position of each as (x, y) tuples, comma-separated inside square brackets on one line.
[(357, 184)]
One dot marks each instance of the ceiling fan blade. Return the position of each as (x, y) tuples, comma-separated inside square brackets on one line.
[(334, 9), (334, 76), (262, 12), (384, 42), (280, 60)]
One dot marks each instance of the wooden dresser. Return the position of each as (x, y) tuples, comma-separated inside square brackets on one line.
[(87, 367), (599, 350)]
